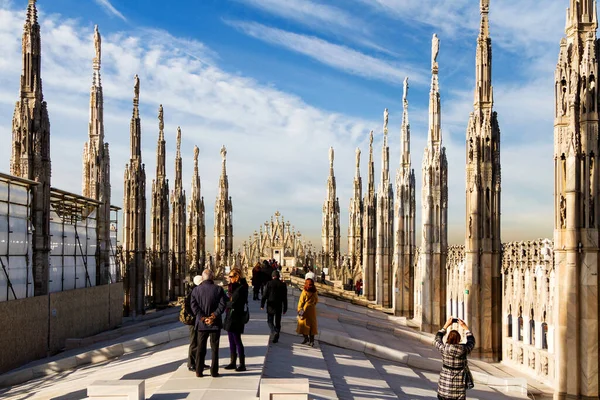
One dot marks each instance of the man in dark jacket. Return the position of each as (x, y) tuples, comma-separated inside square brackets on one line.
[(208, 303), (276, 298)]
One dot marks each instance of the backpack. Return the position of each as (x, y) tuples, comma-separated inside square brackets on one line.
[(186, 316)]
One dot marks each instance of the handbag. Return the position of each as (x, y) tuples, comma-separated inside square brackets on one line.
[(246, 313), (469, 383)]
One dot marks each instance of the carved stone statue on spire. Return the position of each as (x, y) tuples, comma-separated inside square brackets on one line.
[(405, 95), (223, 153), (385, 120), (196, 152), (161, 120), (331, 156), (97, 42), (435, 49), (371, 138), (136, 87), (357, 157)]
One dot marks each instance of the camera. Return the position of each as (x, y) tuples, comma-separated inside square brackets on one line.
[(455, 320)]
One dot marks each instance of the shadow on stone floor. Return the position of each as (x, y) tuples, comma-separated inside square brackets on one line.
[(156, 371), (77, 395), (170, 396)]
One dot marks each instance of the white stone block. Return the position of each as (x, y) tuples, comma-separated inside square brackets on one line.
[(132, 389), (271, 389)]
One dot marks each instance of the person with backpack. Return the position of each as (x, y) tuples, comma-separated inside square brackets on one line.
[(235, 318), (276, 299)]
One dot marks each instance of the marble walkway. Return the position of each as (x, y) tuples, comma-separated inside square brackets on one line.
[(333, 372)]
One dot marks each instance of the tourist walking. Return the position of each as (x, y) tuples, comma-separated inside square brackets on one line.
[(208, 303), (235, 318), (256, 281), (276, 298), (307, 312), (455, 377)]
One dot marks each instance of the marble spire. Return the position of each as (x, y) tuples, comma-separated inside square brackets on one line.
[(330, 229), (159, 221), (96, 165), (134, 216), (385, 226), (404, 222), (196, 227), (177, 230), (30, 156), (576, 214), (431, 274), (223, 219), (481, 293), (370, 229), (355, 226)]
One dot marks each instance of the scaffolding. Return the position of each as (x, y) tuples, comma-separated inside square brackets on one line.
[(16, 275), (74, 240)]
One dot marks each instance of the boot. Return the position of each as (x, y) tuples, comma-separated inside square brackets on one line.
[(305, 339), (311, 341), (233, 361), (242, 366)]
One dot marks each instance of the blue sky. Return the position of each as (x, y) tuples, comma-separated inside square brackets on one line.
[(279, 81)]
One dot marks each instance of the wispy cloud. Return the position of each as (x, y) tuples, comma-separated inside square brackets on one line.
[(322, 18), (517, 25), (334, 55), (306, 12), (111, 9)]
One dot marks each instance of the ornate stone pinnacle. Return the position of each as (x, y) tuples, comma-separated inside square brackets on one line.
[(371, 138), (196, 152), (331, 156), (178, 141)]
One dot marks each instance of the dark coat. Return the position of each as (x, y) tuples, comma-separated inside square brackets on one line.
[(256, 277), (235, 318), (454, 358), (275, 296), (208, 299), (266, 272)]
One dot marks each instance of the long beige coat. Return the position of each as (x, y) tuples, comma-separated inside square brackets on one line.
[(308, 324)]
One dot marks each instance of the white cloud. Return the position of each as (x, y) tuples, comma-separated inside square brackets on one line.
[(111, 9), (277, 143), (333, 55)]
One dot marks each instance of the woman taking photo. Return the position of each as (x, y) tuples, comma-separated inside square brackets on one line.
[(235, 318), (307, 312), (455, 377)]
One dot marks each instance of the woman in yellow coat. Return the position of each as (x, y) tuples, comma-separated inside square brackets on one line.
[(307, 312)]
